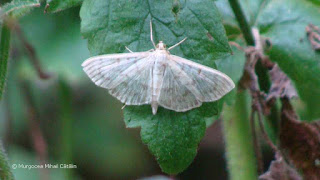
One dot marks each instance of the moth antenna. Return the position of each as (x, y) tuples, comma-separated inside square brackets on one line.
[(151, 36), (176, 44), (128, 49)]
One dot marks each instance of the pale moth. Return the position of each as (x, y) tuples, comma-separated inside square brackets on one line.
[(158, 78)]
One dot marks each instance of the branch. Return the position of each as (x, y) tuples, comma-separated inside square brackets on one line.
[(65, 101), (5, 172), (36, 134), (264, 133), (256, 144), (4, 53), (244, 25), (30, 51)]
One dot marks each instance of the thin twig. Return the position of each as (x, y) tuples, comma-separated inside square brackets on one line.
[(232, 43), (249, 81), (30, 51), (8, 124), (256, 144), (36, 134), (264, 134), (5, 37)]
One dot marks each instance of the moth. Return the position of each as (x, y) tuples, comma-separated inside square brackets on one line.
[(158, 78)]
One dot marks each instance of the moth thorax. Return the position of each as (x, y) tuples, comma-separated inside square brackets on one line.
[(161, 46)]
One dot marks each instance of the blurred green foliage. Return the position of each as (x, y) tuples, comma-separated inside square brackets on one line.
[(99, 142), (84, 125)]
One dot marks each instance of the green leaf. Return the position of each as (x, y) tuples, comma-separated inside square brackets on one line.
[(172, 137), (109, 26), (284, 22), (17, 8), (54, 6)]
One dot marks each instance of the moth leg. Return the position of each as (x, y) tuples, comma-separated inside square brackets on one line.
[(128, 49), (123, 106)]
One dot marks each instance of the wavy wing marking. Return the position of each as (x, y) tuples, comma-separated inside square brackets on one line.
[(175, 94), (126, 76), (187, 84), (211, 83)]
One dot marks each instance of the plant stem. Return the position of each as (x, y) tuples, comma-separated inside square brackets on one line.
[(5, 172), (256, 144), (4, 54), (265, 135), (31, 52), (36, 134), (243, 23), (239, 147), (66, 121)]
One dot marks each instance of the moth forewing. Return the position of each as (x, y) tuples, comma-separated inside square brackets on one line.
[(220, 81), (114, 57), (202, 68), (124, 75), (187, 84)]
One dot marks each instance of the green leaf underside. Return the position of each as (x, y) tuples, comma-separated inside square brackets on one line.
[(284, 22), (111, 25), (18, 8), (60, 5)]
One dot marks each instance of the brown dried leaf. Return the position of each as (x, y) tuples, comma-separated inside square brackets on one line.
[(300, 142), (280, 170), (281, 85), (249, 79), (313, 33), (316, 124)]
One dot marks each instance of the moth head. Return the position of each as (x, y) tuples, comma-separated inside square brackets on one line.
[(161, 46)]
